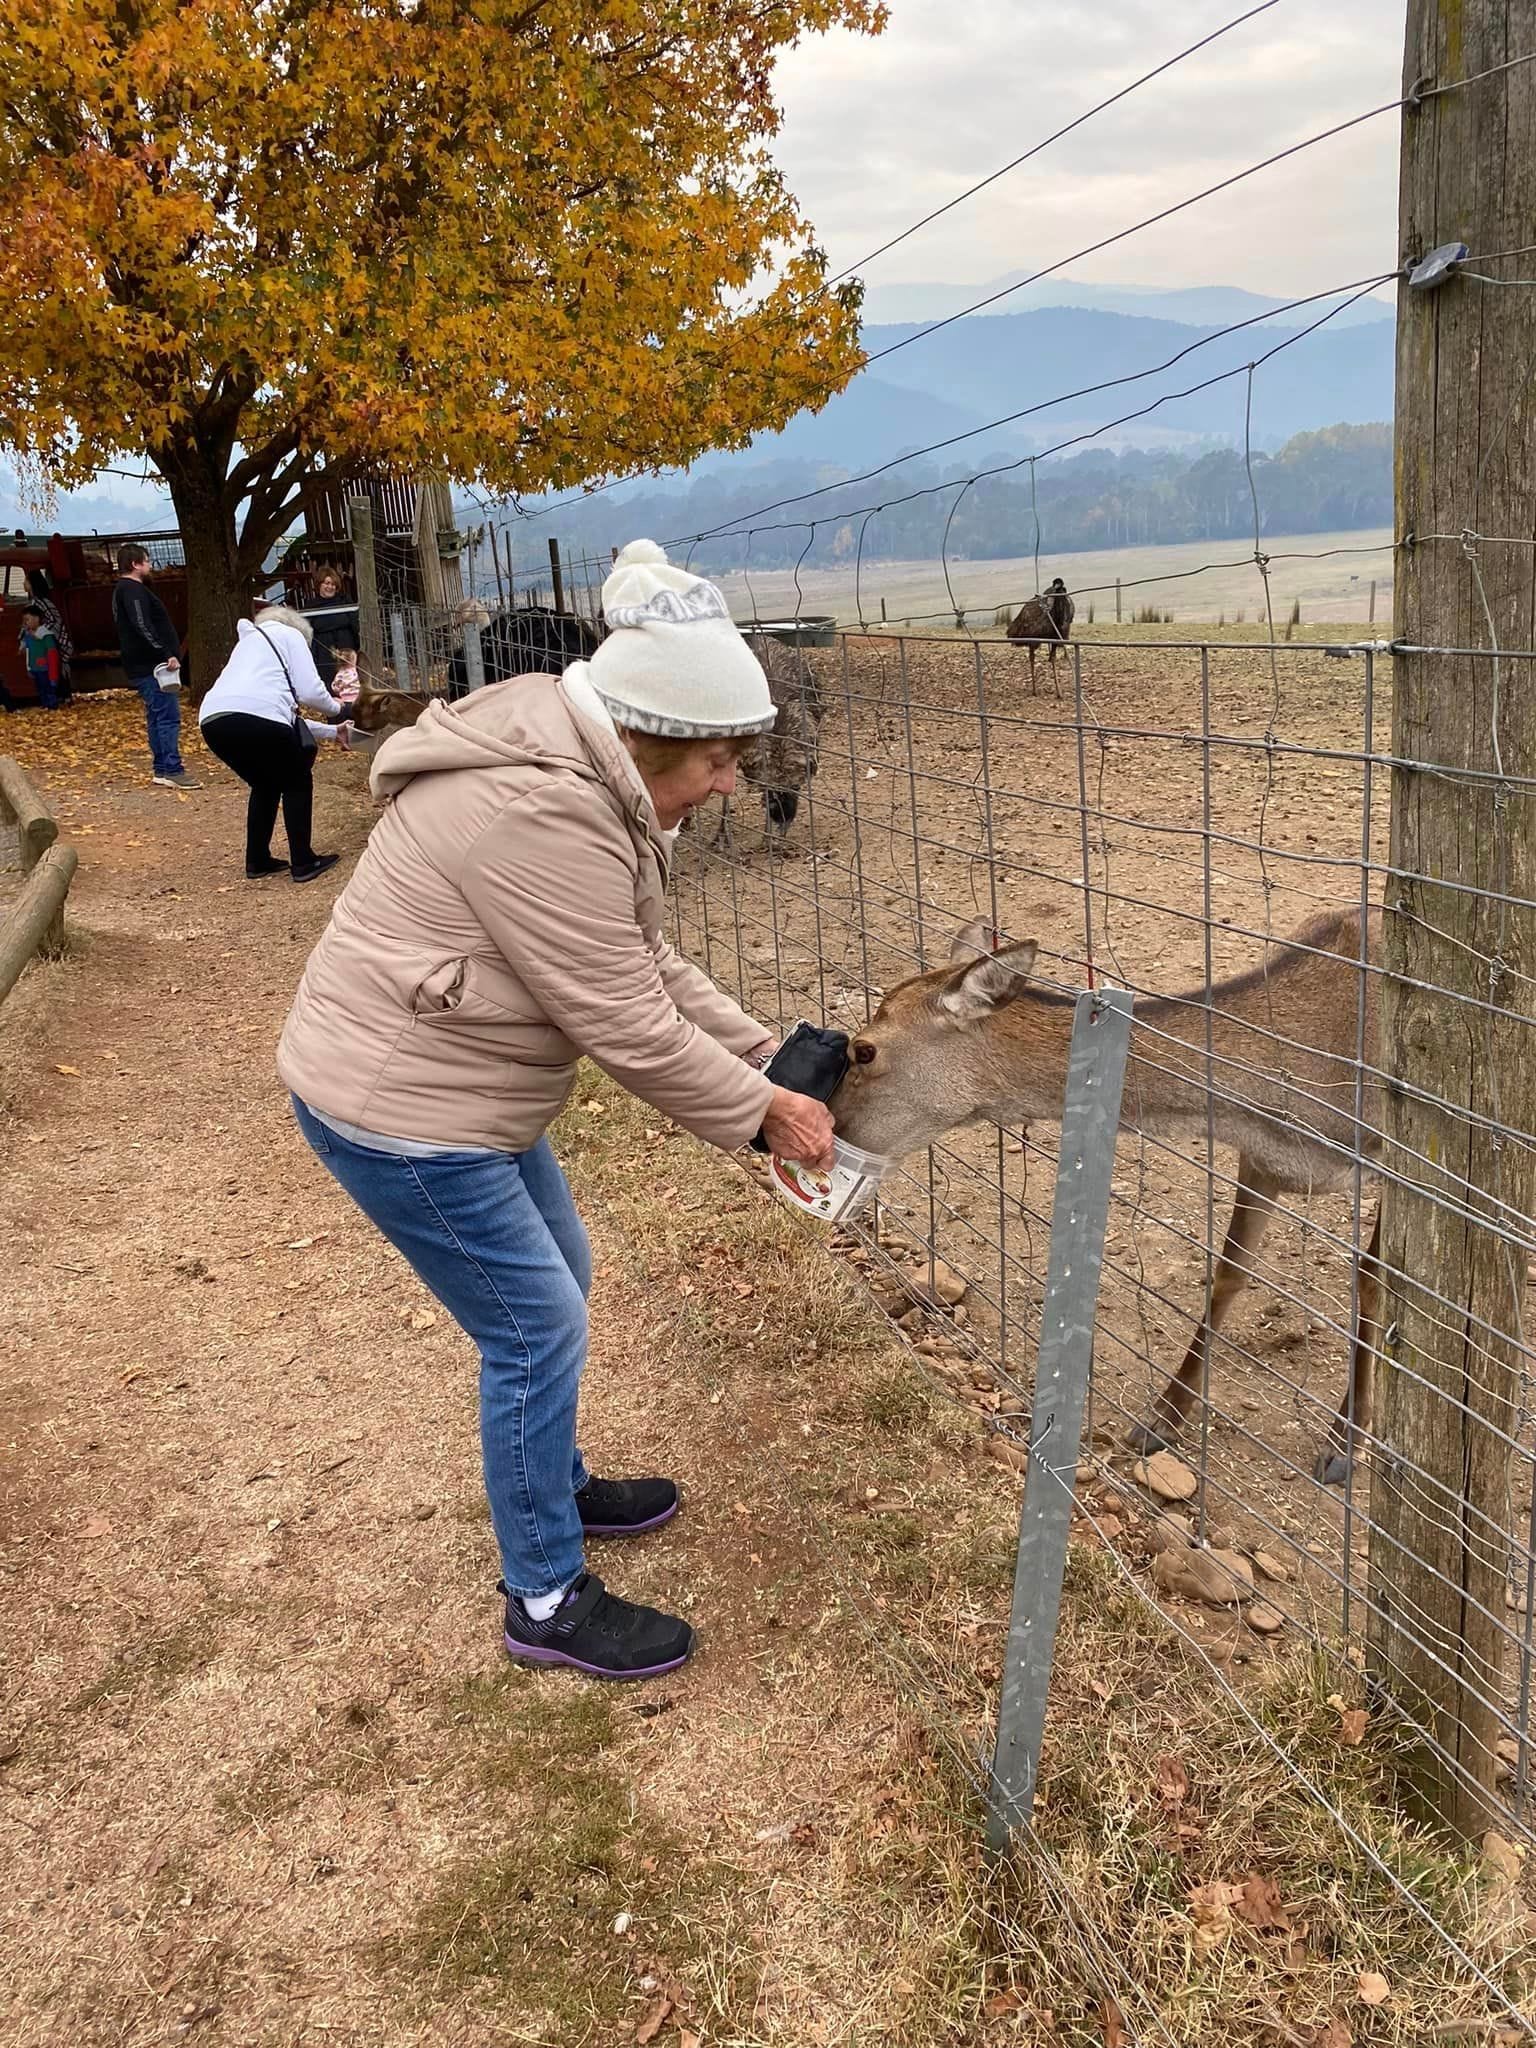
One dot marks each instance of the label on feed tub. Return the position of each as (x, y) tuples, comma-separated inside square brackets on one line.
[(829, 1197)]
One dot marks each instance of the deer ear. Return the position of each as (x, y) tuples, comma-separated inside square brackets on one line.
[(991, 981), (973, 943)]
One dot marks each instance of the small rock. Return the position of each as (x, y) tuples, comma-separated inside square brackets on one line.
[(1167, 1532), (1501, 1858), (948, 1285), (1269, 1567), (1166, 1476), (1263, 1619), (1219, 1578), (424, 1511), (1012, 1455)]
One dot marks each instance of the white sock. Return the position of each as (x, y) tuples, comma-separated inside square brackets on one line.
[(542, 1605)]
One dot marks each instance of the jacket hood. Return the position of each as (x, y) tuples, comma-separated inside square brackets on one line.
[(528, 722)]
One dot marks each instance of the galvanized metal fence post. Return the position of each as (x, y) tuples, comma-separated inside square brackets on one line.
[(1101, 1031), (474, 658), (402, 652)]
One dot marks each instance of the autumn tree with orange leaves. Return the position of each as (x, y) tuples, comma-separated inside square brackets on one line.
[(533, 243)]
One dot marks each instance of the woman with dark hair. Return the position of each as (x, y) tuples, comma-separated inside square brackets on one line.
[(332, 619)]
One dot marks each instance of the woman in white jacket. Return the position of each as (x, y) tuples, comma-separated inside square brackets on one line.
[(253, 720)]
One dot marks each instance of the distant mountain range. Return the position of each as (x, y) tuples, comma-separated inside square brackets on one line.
[(1209, 305), (1058, 378), (999, 385)]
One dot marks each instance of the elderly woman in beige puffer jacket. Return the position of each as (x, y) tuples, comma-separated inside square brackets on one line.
[(505, 920)]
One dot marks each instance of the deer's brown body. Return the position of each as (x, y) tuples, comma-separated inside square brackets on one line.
[(1270, 1068)]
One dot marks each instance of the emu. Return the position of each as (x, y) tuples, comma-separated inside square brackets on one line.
[(781, 762), (1045, 621), (979, 1039), (529, 640)]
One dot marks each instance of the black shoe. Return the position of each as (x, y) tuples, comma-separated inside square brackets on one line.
[(623, 1507), (266, 867), (317, 866), (594, 1631)]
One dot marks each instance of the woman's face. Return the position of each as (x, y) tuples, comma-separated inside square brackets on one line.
[(697, 774), (328, 586)]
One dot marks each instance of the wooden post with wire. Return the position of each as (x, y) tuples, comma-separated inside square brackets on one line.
[(1459, 942), (557, 581)]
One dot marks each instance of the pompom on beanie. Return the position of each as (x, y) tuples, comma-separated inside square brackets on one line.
[(674, 662)]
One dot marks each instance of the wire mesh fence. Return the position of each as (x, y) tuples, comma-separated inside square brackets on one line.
[(1205, 823)]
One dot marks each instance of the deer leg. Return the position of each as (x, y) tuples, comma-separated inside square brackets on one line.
[(1055, 684), (1333, 1460), (1255, 1204)]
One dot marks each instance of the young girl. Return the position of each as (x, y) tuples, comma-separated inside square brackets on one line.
[(345, 683)]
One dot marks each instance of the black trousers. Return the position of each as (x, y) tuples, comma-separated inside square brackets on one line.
[(279, 770)]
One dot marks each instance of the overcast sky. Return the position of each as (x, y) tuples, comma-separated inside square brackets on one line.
[(878, 131)]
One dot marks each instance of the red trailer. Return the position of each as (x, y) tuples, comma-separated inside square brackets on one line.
[(77, 572)]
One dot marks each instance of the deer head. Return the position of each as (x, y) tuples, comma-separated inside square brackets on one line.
[(932, 1056)]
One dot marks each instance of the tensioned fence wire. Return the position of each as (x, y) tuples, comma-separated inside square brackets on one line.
[(1188, 807)]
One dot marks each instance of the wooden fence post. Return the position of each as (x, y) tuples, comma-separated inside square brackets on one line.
[(370, 624), (1457, 1008)]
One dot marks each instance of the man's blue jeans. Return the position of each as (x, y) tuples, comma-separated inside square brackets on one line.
[(162, 715), (497, 1239)]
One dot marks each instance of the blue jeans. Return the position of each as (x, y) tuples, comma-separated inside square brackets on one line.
[(162, 715), (496, 1237)]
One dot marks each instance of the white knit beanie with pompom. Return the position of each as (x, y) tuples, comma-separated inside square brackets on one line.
[(674, 662)]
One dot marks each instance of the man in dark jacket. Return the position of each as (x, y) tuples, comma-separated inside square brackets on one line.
[(147, 640)]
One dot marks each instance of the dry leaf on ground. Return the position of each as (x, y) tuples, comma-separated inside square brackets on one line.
[(1352, 1722), (653, 2022), (1172, 1781), (1374, 1988), (1259, 1905), (1114, 2025)]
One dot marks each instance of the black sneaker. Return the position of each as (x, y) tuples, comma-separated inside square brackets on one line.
[(268, 867), (594, 1631), (623, 1507), (317, 866)]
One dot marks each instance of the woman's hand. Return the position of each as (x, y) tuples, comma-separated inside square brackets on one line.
[(761, 1054), (344, 735), (800, 1128)]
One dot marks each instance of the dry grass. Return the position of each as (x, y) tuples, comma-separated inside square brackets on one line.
[(264, 1778)]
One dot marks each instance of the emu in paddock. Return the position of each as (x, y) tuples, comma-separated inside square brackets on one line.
[(529, 640), (979, 1039), (1044, 622), (781, 762)]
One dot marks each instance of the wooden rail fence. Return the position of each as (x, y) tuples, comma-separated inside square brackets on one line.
[(35, 921)]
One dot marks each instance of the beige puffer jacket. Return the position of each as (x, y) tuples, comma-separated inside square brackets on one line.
[(505, 918)]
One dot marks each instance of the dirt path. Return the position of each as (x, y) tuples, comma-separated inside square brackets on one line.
[(266, 1780), (263, 1776)]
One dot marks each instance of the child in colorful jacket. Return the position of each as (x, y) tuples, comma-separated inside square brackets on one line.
[(40, 650)]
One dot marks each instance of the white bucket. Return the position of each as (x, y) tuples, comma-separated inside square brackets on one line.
[(167, 677), (834, 1196)]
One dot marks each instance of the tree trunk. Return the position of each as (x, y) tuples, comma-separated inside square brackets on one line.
[(1459, 939), (216, 590)]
